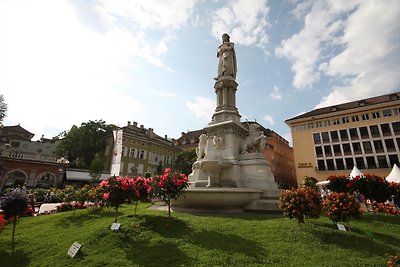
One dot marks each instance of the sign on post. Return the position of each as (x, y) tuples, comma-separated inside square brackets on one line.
[(341, 227), (74, 249), (115, 226)]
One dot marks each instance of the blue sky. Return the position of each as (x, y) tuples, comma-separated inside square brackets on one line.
[(153, 62)]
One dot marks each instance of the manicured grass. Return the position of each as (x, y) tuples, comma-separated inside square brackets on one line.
[(153, 239)]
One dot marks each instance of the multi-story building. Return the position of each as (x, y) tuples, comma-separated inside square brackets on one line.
[(277, 152), (23, 161), (134, 151), (331, 140)]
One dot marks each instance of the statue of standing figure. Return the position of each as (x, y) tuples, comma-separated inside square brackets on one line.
[(226, 58)]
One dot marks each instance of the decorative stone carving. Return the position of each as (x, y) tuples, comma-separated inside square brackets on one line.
[(218, 142), (226, 59), (201, 148), (255, 142)]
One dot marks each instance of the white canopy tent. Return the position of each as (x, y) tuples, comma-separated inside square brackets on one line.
[(355, 172), (394, 175)]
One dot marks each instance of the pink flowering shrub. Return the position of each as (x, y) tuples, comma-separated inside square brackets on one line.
[(169, 186)]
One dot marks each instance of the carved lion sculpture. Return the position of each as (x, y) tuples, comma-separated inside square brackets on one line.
[(255, 142), (200, 149)]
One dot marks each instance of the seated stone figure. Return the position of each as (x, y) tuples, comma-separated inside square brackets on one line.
[(255, 142), (200, 149)]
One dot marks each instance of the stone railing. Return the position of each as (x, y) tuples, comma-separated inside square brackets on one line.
[(27, 156)]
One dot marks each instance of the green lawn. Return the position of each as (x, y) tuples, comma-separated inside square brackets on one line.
[(153, 239)]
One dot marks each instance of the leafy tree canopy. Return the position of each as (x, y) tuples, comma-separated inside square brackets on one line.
[(3, 108), (184, 161), (80, 144)]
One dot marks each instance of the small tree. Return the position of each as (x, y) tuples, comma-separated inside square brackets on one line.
[(339, 183), (340, 207), (143, 187), (169, 186), (184, 161), (14, 205), (310, 182), (372, 187), (299, 203)]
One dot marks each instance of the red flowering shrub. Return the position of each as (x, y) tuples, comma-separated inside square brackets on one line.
[(393, 261), (29, 212), (372, 187), (340, 207), (384, 208), (169, 186), (339, 184), (298, 203), (3, 222)]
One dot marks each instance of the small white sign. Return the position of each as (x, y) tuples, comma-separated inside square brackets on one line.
[(115, 226), (74, 249), (341, 227)]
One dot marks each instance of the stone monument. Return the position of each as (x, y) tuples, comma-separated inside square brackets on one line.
[(231, 172)]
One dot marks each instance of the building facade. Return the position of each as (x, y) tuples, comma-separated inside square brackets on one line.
[(135, 151), (23, 161), (277, 152), (331, 140)]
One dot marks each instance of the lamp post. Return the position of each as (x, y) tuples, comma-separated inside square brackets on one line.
[(63, 162)]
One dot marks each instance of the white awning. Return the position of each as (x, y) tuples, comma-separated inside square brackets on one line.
[(83, 175), (355, 172), (394, 175)]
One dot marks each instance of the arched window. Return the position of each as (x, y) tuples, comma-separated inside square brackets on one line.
[(45, 180), (14, 178)]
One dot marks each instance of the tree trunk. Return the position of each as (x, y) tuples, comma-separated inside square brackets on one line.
[(136, 203), (116, 214), (169, 208), (13, 234)]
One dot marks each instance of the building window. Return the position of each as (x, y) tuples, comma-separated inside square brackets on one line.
[(398, 143), (343, 135), (345, 120), (396, 127), (353, 133), (327, 123), (339, 164), (361, 103), (396, 111), (330, 165), (356, 148), (317, 138), (334, 136), (328, 151), (386, 129), (355, 118), (123, 151), (318, 151), (333, 108), (376, 115), (374, 130), (367, 147), (346, 149), (371, 164), (318, 124), (321, 165), (387, 113), (393, 97), (325, 137), (132, 153), (365, 116), (141, 155), (360, 163), (382, 162), (310, 125), (349, 163), (390, 145), (337, 150), (364, 132), (336, 121), (394, 159), (378, 146)]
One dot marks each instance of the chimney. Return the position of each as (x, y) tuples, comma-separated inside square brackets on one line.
[(150, 132), (142, 127), (182, 133), (134, 124), (166, 137), (129, 123)]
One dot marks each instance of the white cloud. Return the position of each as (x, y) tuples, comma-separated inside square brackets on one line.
[(269, 119), (288, 137), (202, 107), (276, 94), (245, 21)]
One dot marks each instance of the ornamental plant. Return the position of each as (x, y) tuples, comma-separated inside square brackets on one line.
[(384, 208), (339, 184), (393, 261), (117, 190), (143, 187), (340, 207), (14, 205), (310, 182), (299, 203), (3, 222), (372, 187), (169, 186)]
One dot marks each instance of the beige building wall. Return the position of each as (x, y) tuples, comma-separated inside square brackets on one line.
[(371, 121)]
